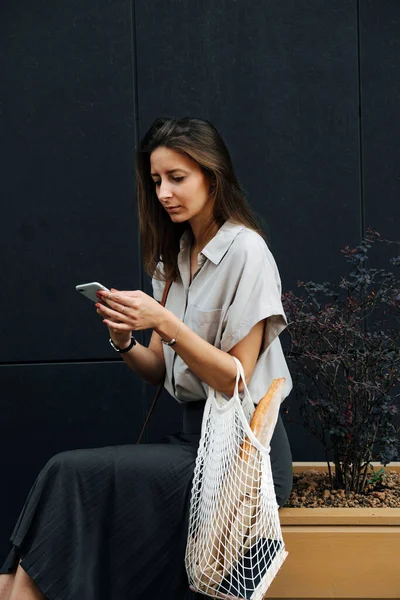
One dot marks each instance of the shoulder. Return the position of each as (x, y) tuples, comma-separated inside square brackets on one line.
[(250, 256), (248, 239), (249, 245)]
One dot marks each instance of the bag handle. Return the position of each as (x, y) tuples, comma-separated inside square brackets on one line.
[(160, 387), (247, 402)]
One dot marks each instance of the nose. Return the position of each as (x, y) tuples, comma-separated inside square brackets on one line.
[(164, 191)]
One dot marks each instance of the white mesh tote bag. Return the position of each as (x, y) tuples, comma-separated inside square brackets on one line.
[(235, 546)]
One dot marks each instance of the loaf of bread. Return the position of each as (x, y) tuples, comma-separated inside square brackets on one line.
[(261, 421)]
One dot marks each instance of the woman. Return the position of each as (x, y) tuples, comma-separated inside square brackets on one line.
[(110, 523)]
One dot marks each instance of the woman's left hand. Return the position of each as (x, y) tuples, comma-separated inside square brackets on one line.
[(129, 310)]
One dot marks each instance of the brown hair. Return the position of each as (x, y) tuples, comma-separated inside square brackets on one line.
[(200, 141)]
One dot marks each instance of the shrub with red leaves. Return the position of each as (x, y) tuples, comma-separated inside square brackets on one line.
[(345, 358)]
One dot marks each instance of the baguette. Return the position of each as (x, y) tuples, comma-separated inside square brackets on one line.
[(260, 423)]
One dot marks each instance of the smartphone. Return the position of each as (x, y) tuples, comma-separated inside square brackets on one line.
[(89, 290)]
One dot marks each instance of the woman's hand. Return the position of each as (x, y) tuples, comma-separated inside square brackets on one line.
[(125, 311), (121, 338), (128, 310)]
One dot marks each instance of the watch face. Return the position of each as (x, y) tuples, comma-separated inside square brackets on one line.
[(113, 346)]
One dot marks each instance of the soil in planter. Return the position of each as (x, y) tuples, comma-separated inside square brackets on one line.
[(311, 489)]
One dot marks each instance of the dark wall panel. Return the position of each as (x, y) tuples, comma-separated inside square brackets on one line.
[(380, 95), (46, 409), (380, 109), (166, 418), (279, 79), (67, 143)]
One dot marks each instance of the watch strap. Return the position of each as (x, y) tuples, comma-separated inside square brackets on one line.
[(123, 350)]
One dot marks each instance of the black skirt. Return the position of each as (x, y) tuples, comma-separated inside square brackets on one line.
[(111, 523)]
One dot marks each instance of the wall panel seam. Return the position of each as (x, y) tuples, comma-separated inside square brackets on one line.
[(72, 361), (360, 126), (135, 88)]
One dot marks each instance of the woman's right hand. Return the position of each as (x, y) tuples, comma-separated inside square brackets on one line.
[(121, 339)]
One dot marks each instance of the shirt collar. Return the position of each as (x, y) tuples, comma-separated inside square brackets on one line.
[(218, 246)]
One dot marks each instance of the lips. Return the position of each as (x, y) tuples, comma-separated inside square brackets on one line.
[(169, 208)]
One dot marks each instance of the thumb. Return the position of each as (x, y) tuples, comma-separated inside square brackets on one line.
[(113, 290)]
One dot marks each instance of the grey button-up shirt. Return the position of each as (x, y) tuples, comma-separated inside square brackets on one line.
[(237, 284)]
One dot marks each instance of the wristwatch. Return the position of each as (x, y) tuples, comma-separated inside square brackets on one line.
[(123, 350)]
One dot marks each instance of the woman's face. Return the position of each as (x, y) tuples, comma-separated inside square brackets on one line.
[(181, 186)]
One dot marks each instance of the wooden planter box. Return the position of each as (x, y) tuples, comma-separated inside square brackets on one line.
[(339, 552)]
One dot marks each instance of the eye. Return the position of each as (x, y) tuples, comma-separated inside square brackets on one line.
[(178, 179), (156, 182)]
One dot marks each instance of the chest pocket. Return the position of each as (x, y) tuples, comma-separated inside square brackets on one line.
[(204, 323)]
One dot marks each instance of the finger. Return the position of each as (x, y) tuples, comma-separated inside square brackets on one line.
[(117, 305), (109, 318), (130, 293), (117, 327), (106, 311), (112, 305), (111, 327), (121, 304), (100, 299), (107, 297), (120, 297)]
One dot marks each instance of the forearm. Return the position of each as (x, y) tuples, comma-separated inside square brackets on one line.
[(145, 363), (211, 365)]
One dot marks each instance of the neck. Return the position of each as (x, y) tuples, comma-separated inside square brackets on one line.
[(203, 227), (202, 234)]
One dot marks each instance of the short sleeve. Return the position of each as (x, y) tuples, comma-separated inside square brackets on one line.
[(158, 286), (257, 297)]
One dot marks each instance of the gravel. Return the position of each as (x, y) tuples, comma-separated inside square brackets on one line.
[(311, 489)]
